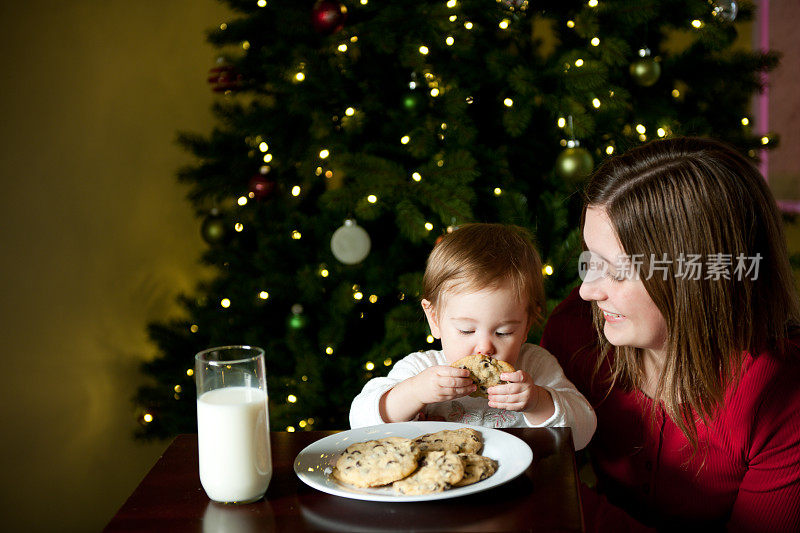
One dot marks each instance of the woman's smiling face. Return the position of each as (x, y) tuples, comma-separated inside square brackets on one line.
[(631, 316)]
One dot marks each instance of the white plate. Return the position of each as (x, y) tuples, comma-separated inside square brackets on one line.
[(314, 464)]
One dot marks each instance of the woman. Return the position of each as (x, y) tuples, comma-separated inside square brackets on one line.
[(683, 337)]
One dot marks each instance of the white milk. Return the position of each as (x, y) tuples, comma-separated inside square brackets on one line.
[(233, 443)]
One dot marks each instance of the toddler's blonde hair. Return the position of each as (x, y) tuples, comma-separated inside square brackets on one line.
[(481, 255)]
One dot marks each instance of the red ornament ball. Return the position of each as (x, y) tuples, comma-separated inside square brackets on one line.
[(224, 78), (328, 16), (261, 187)]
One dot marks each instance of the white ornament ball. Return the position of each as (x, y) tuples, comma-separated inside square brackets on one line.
[(725, 10), (350, 243)]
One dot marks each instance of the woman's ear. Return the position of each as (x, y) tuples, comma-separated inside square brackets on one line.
[(433, 320)]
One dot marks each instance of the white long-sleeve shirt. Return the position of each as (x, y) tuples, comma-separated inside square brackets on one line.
[(571, 408)]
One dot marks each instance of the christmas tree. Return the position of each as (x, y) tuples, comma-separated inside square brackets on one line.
[(352, 134)]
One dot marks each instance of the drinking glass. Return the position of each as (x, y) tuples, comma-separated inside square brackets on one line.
[(233, 423)]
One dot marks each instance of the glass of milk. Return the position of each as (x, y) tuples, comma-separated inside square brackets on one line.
[(233, 423)]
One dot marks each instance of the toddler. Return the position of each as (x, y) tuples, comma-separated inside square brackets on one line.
[(482, 292)]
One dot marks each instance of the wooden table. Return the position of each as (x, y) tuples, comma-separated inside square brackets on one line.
[(170, 497)]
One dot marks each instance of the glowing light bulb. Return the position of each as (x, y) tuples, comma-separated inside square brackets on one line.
[(291, 398), (324, 273), (570, 24), (147, 418), (697, 24), (595, 41), (592, 3), (342, 47), (596, 102), (370, 365), (468, 25), (329, 350), (372, 198), (296, 235), (416, 176), (745, 121), (498, 191), (324, 153), (299, 76), (405, 139), (263, 295), (641, 129), (561, 122), (263, 146), (261, 3), (449, 41), (296, 190), (430, 339), (504, 24), (242, 200), (189, 372), (194, 329), (579, 62), (358, 295), (225, 302), (238, 227), (547, 270), (508, 102), (373, 298), (349, 111), (423, 50), (609, 149), (428, 226)]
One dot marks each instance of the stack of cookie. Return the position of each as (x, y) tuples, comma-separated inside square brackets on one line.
[(430, 463)]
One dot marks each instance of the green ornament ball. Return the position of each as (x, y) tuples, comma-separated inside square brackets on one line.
[(297, 320), (645, 71), (574, 165), (214, 229), (411, 101)]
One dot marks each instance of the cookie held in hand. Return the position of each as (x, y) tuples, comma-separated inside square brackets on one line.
[(484, 371)]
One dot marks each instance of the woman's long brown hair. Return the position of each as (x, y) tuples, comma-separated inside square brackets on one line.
[(676, 197)]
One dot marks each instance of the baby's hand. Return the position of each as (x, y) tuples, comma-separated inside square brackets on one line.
[(516, 395), (440, 383)]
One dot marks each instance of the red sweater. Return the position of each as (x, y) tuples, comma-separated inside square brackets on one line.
[(746, 474)]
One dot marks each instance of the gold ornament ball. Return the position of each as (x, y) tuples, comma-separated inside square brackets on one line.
[(645, 71), (574, 165)]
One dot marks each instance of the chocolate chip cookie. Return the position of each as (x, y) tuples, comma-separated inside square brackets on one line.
[(462, 440), (484, 371), (377, 462), (438, 471), (476, 468)]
